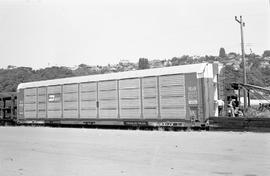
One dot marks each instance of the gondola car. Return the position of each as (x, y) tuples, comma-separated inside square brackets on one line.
[(177, 96)]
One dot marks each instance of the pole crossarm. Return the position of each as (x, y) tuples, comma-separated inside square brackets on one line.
[(237, 19)]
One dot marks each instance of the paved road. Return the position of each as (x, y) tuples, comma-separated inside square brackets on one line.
[(33, 151)]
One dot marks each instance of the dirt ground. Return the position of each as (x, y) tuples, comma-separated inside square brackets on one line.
[(44, 151)]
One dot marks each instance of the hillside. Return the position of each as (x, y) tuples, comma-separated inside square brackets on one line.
[(258, 69)]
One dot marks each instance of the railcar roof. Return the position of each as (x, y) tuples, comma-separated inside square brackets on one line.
[(202, 70)]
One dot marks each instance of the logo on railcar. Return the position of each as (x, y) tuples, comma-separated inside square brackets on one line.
[(54, 97)]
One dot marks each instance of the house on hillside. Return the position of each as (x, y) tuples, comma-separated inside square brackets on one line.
[(235, 62), (265, 64), (156, 63)]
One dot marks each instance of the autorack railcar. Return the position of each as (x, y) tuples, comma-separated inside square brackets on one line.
[(170, 96)]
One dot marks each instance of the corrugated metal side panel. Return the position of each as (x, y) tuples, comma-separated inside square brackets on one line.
[(208, 97), (70, 103), (150, 105), (172, 97), (54, 106), (88, 109), (30, 114), (42, 90), (201, 98), (42, 102), (193, 102), (70, 113), (88, 100), (54, 89), (170, 80), (107, 94), (30, 91), (175, 90), (54, 114), (88, 96), (70, 97), (41, 110), (89, 105), (70, 88), (88, 87), (42, 98), (211, 89), (30, 103), (30, 110), (29, 99), (130, 98), (20, 102)]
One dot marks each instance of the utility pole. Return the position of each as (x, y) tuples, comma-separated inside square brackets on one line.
[(242, 24)]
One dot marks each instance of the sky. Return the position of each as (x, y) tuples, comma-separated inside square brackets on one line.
[(42, 33)]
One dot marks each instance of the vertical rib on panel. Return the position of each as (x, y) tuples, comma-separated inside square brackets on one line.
[(30, 103), (36, 103), (141, 98), (150, 101), (118, 100), (172, 97), (88, 100), (130, 98), (20, 105), (97, 102), (42, 102), (54, 102), (46, 100), (108, 99), (79, 100), (62, 102), (158, 98), (70, 101)]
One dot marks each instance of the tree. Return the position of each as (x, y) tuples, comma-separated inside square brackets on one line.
[(266, 53), (143, 63), (11, 67), (185, 59), (222, 53)]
